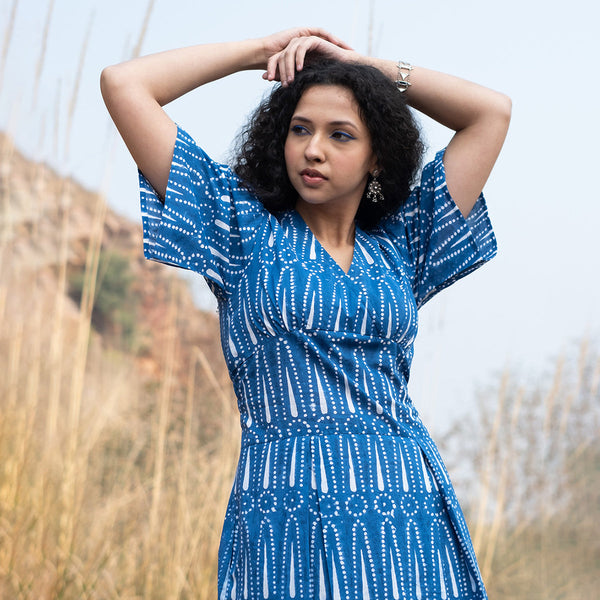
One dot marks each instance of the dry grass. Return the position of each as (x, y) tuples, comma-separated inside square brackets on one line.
[(106, 490), (536, 482)]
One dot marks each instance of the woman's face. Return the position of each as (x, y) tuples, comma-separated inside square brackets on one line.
[(328, 151)]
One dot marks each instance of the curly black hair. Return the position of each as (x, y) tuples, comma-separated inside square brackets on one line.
[(259, 158)]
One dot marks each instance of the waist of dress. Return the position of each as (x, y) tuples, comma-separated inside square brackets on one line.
[(408, 426)]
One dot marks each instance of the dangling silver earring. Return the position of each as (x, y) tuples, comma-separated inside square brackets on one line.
[(374, 191)]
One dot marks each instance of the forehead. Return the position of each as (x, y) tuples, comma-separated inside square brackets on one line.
[(332, 102)]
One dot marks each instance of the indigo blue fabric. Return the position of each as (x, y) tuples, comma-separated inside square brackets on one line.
[(340, 492)]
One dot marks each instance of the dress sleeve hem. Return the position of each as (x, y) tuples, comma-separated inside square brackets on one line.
[(458, 245), (155, 213)]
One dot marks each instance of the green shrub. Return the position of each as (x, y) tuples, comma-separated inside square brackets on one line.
[(114, 313)]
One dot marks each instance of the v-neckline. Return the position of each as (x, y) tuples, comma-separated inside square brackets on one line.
[(304, 225)]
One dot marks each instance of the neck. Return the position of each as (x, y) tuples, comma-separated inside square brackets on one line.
[(330, 225)]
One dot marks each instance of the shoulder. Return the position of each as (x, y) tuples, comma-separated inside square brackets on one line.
[(189, 155)]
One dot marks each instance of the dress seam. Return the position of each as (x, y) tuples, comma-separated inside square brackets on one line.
[(332, 434)]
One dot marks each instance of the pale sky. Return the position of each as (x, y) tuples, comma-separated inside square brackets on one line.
[(536, 299)]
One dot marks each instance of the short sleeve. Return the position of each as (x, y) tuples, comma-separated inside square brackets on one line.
[(208, 221), (441, 244)]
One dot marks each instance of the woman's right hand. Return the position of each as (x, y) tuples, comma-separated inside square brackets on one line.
[(285, 51)]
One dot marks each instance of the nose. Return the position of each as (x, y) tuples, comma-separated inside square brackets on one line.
[(314, 151)]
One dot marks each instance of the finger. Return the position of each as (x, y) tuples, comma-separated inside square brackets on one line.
[(269, 70), (322, 33), (272, 67), (290, 62), (287, 61), (301, 56), (281, 71)]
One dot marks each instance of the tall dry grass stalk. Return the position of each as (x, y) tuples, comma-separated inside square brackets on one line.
[(10, 26), (144, 29), (6, 154), (75, 93), (488, 471), (498, 519), (42, 56), (166, 388), (57, 335)]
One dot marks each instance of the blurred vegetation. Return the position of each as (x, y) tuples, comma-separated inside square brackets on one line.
[(107, 489), (535, 481), (116, 302), (115, 464), (555, 555)]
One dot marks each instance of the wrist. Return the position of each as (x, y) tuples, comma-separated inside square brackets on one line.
[(257, 54), (387, 67), (402, 80)]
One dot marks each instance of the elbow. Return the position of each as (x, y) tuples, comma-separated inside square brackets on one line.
[(117, 83), (110, 82), (497, 114), (504, 108), (507, 102)]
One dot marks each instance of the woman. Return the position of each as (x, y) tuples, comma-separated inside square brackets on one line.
[(319, 256)]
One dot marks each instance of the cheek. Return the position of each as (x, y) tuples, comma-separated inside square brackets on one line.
[(290, 156)]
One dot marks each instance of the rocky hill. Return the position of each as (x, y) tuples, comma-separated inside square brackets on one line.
[(53, 232)]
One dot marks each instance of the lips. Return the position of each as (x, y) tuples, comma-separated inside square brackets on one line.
[(312, 176)]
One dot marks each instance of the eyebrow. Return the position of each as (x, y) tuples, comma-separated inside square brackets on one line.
[(333, 123)]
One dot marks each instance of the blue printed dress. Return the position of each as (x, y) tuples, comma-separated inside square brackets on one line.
[(340, 493)]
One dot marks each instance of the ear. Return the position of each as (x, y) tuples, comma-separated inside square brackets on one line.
[(374, 170)]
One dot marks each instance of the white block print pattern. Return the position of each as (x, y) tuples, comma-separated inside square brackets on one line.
[(340, 492)]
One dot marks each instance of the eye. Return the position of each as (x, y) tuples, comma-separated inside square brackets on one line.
[(299, 130), (342, 136)]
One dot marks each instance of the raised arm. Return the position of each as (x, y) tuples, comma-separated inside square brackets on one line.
[(479, 116), (136, 91)]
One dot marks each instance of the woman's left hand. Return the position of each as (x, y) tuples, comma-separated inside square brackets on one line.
[(283, 65)]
